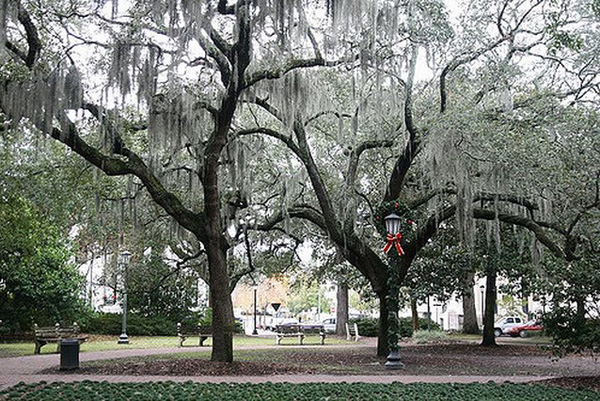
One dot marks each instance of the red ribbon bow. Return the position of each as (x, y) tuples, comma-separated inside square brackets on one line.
[(393, 240)]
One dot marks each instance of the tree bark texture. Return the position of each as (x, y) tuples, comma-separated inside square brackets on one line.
[(470, 325), (341, 312), (414, 314), (489, 338)]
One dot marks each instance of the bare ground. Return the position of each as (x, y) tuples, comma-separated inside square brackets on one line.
[(438, 359)]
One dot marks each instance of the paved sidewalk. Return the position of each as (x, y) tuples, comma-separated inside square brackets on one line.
[(26, 369)]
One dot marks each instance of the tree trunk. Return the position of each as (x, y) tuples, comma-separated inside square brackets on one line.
[(489, 338), (341, 312), (216, 245), (414, 314), (221, 305), (382, 338), (470, 325)]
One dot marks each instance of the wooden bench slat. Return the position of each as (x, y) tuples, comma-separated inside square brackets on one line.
[(352, 331), (296, 330), (184, 331), (54, 334)]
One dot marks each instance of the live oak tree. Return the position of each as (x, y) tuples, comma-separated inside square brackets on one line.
[(184, 86), (474, 142), (150, 89)]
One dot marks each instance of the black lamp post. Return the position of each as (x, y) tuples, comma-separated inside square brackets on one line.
[(255, 288), (123, 261), (392, 226), (481, 289)]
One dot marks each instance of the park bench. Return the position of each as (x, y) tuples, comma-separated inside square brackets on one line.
[(184, 331), (352, 332), (296, 330), (54, 334)]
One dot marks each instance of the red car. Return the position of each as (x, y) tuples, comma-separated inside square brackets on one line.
[(524, 329)]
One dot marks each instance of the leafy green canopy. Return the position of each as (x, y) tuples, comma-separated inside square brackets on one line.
[(37, 281)]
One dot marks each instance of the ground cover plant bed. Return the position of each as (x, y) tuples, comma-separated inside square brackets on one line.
[(437, 359), (90, 390)]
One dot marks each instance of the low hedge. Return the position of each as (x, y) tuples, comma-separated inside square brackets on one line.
[(369, 327), (137, 325), (111, 324)]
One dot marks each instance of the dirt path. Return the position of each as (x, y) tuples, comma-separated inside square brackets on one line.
[(456, 363)]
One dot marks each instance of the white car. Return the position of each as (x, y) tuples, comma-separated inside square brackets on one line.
[(329, 325), (280, 321), (502, 326)]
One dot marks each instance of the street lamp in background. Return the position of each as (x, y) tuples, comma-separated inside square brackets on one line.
[(482, 289), (123, 262), (319, 303), (255, 289), (393, 237)]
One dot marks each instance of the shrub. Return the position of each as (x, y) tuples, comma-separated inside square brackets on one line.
[(571, 333), (428, 336), (369, 327), (111, 324), (137, 325), (406, 329)]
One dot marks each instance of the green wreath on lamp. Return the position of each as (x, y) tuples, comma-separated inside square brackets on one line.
[(408, 227)]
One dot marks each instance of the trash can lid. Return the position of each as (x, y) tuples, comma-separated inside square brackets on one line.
[(69, 341)]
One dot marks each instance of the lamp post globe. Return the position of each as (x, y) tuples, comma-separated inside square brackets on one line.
[(392, 223), (123, 260), (392, 226)]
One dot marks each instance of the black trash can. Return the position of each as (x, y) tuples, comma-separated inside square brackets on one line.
[(69, 354)]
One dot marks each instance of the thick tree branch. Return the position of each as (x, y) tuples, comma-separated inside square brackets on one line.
[(181, 264), (116, 166), (403, 163), (287, 140), (302, 212), (517, 200), (324, 113), (457, 62), (427, 231), (109, 165), (33, 39), (221, 59), (530, 224), (18, 52), (357, 152), (290, 65), (221, 44), (251, 268)]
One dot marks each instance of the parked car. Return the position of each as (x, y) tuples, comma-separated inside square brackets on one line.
[(525, 329), (281, 321), (329, 325), (312, 326), (503, 325)]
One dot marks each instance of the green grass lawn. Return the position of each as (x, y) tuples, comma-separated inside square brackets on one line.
[(89, 390), (105, 344)]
